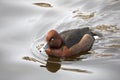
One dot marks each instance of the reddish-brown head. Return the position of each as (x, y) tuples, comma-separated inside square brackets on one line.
[(53, 39)]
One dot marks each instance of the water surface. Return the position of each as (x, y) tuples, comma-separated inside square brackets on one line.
[(22, 23)]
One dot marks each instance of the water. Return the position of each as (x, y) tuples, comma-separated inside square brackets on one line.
[(22, 24)]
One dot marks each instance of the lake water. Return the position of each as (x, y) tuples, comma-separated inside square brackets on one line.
[(23, 25)]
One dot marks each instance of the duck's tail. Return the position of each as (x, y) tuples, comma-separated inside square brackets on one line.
[(96, 35)]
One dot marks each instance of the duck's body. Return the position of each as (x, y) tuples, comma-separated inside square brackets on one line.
[(68, 43), (73, 36)]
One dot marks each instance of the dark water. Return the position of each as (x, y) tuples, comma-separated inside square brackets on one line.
[(23, 26)]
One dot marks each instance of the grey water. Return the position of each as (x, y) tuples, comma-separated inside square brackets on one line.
[(23, 25)]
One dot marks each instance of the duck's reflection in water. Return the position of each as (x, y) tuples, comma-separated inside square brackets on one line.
[(54, 64)]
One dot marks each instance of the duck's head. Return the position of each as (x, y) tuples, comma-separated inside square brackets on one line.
[(53, 39)]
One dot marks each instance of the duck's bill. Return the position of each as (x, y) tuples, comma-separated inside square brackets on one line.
[(45, 46)]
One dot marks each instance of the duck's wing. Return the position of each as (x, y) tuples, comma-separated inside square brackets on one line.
[(73, 36)]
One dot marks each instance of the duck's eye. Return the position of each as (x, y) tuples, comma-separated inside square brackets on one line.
[(52, 39)]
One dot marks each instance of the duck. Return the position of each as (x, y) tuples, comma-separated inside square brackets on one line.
[(70, 42)]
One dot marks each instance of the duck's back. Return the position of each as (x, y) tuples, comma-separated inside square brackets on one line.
[(73, 36)]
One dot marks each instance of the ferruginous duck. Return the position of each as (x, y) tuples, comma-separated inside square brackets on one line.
[(69, 43)]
